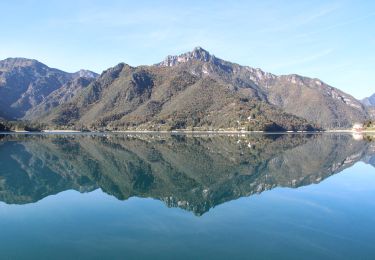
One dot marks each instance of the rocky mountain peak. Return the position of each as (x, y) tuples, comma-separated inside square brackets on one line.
[(86, 74), (198, 54)]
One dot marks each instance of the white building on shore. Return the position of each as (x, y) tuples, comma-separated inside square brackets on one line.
[(358, 127)]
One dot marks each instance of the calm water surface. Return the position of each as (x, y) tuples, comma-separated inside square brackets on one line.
[(117, 196)]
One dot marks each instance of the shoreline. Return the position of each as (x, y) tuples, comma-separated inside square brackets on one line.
[(57, 131), (60, 131)]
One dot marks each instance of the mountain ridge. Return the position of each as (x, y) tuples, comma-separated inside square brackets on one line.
[(369, 101), (187, 89), (162, 98), (277, 90), (25, 83)]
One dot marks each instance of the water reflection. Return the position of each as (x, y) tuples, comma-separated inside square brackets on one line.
[(195, 173)]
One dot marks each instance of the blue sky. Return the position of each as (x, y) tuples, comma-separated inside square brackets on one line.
[(330, 40)]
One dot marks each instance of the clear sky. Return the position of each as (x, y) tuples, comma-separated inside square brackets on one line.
[(330, 40)]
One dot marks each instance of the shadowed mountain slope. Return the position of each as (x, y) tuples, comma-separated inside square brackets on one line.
[(25, 83)]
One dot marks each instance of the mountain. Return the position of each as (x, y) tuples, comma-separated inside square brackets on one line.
[(85, 74), (25, 83), (194, 90), (165, 98), (193, 172), (305, 97), (369, 101), (60, 96), (198, 90)]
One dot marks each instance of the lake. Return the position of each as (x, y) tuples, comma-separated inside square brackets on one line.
[(162, 196)]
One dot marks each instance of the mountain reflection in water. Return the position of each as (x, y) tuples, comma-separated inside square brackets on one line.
[(193, 172)]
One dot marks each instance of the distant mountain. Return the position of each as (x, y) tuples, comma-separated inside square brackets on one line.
[(25, 83), (85, 74), (58, 97), (369, 101)]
